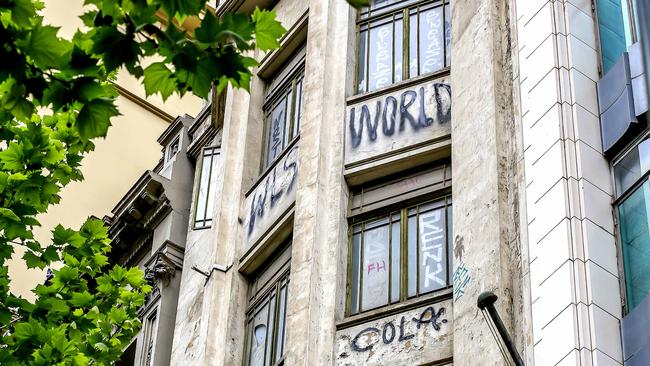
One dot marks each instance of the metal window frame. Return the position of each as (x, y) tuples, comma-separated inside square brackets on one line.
[(279, 94), (368, 18), (207, 222), (281, 277), (446, 200)]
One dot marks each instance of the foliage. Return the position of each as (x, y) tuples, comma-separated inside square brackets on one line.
[(56, 96)]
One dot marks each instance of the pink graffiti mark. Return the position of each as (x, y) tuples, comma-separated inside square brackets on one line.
[(409, 183), (377, 266)]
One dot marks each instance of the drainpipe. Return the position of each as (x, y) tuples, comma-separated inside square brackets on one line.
[(486, 302)]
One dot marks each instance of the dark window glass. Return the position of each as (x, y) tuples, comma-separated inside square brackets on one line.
[(386, 56), (631, 167), (616, 27), (377, 269)]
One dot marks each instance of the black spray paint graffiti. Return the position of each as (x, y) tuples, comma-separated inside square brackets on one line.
[(386, 112), (389, 332), (280, 181)]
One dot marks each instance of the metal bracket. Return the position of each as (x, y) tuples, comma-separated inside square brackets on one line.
[(215, 267)]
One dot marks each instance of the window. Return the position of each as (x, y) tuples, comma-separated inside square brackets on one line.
[(205, 190), (633, 205), (282, 114), (149, 338), (172, 149), (398, 40), (400, 255), (265, 324), (617, 29)]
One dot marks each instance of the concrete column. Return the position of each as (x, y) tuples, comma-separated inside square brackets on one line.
[(319, 237), (485, 175)]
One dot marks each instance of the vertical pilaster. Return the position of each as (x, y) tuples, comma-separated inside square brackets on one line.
[(319, 224), (485, 175)]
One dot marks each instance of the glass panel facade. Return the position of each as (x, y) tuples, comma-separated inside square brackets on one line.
[(204, 206), (635, 242), (616, 29), (384, 51), (631, 167), (377, 246)]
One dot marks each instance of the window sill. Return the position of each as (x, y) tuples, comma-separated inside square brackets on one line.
[(350, 321), (397, 86)]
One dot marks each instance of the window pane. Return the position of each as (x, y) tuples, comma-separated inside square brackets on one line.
[(376, 261), (287, 125), (632, 167), (297, 116), (209, 209), (380, 56), (395, 259), (354, 281), (260, 335), (398, 41), (450, 243), (275, 137), (269, 332), (612, 30), (431, 38), (433, 263), (635, 241), (447, 36), (413, 45), (279, 347), (361, 77), (379, 3), (249, 342), (204, 184), (412, 255)]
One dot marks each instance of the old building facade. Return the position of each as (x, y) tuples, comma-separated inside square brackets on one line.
[(341, 214)]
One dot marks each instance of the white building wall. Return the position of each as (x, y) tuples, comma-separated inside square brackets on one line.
[(575, 293)]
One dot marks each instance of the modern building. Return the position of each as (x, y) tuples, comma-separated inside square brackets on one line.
[(342, 214)]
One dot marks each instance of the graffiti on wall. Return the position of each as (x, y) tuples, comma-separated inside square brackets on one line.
[(398, 119), (416, 336), (461, 280), (273, 194)]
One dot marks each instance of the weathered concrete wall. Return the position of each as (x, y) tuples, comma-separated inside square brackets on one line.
[(413, 337), (396, 120), (484, 156), (319, 237)]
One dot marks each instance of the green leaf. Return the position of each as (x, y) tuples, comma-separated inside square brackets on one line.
[(115, 47), (44, 47), (158, 78), (5, 212), (23, 12), (50, 254), (182, 7), (32, 260), (94, 118), (81, 299), (12, 158), (359, 3), (267, 30)]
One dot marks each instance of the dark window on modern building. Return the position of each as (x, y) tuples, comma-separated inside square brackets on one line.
[(399, 40), (283, 107), (633, 205), (617, 24), (204, 200), (266, 315)]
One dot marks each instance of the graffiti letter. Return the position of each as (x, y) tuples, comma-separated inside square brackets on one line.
[(443, 109), (384, 336), (403, 337), (423, 119), (387, 128), (404, 112), (355, 340), (257, 207), (433, 318), (291, 164), (275, 196), (372, 128), (354, 135)]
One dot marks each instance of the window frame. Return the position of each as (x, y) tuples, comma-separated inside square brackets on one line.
[(289, 76), (445, 197), (617, 202), (405, 9), (281, 277), (216, 151)]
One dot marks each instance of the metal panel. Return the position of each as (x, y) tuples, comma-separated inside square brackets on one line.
[(635, 334)]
